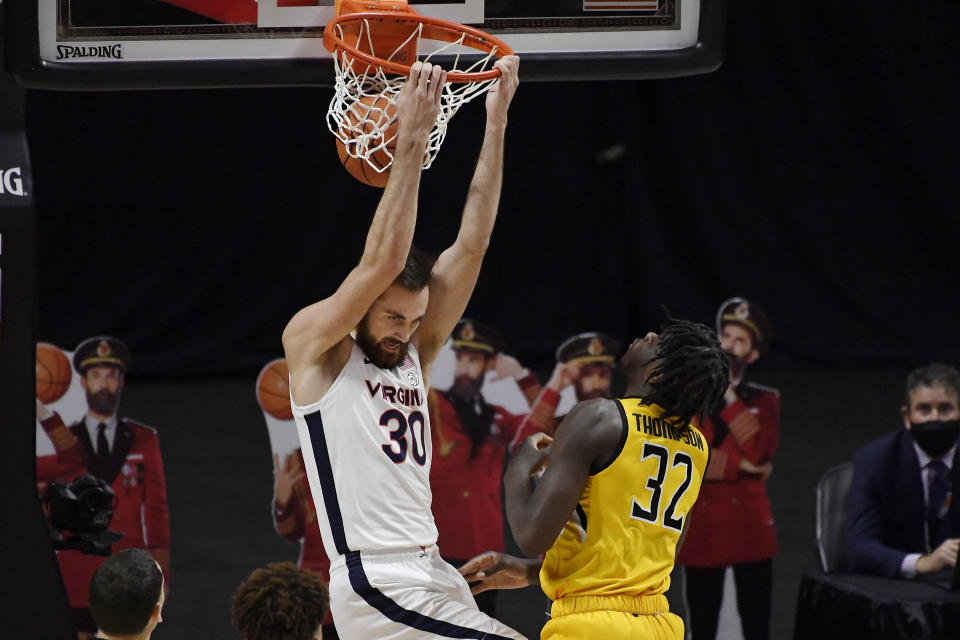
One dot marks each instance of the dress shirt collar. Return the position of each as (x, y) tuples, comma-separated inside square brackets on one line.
[(92, 423)]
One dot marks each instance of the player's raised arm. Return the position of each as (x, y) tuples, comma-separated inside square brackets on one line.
[(588, 433), (315, 330), (457, 268)]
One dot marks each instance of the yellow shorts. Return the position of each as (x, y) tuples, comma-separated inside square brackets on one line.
[(612, 617)]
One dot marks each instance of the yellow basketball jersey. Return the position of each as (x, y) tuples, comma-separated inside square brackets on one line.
[(622, 537)]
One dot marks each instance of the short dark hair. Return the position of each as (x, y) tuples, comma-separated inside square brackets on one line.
[(693, 373), (124, 590), (933, 374), (416, 272), (280, 602)]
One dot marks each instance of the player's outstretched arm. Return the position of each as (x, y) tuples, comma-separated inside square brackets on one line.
[(457, 268), (588, 433), (315, 329), (495, 570)]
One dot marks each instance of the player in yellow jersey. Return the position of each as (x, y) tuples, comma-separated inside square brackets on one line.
[(614, 501)]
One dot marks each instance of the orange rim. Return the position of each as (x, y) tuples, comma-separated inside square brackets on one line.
[(433, 29)]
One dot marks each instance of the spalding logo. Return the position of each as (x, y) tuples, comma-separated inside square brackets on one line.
[(10, 182)]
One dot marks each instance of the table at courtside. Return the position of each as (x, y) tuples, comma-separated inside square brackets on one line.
[(852, 606)]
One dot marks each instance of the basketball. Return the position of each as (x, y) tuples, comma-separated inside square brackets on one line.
[(370, 114), (273, 390), (53, 373)]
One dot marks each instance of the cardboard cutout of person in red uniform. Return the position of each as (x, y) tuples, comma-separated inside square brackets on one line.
[(732, 523), (471, 434), (124, 453), (585, 364)]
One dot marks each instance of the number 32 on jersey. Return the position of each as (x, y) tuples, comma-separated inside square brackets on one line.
[(668, 518)]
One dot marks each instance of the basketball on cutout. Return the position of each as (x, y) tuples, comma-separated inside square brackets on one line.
[(273, 390), (53, 373), (368, 114)]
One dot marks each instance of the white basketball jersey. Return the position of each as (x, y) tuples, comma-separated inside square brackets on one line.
[(367, 451)]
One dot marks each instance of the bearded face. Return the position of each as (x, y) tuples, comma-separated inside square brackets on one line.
[(737, 343), (102, 385), (386, 329), (737, 365), (103, 402), (468, 375), (593, 381), (384, 352)]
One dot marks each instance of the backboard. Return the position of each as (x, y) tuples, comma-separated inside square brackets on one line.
[(125, 44)]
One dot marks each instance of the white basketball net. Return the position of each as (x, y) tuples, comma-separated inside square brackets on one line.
[(361, 127)]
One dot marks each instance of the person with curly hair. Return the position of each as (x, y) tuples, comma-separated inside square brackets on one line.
[(612, 492), (280, 602)]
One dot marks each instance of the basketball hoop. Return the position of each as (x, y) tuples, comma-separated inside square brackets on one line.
[(374, 43)]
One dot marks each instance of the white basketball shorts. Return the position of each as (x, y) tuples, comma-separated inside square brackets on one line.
[(404, 595)]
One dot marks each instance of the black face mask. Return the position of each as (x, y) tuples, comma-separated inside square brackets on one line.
[(935, 437)]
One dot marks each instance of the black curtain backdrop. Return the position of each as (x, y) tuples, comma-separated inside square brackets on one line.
[(816, 173)]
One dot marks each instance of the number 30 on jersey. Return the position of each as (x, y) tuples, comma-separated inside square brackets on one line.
[(406, 436)]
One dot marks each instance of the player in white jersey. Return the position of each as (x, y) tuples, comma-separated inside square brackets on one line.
[(359, 369)]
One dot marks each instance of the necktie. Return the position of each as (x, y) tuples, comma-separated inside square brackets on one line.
[(939, 487), (103, 450)]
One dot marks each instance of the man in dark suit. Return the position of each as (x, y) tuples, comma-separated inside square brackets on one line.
[(123, 453), (902, 519)]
